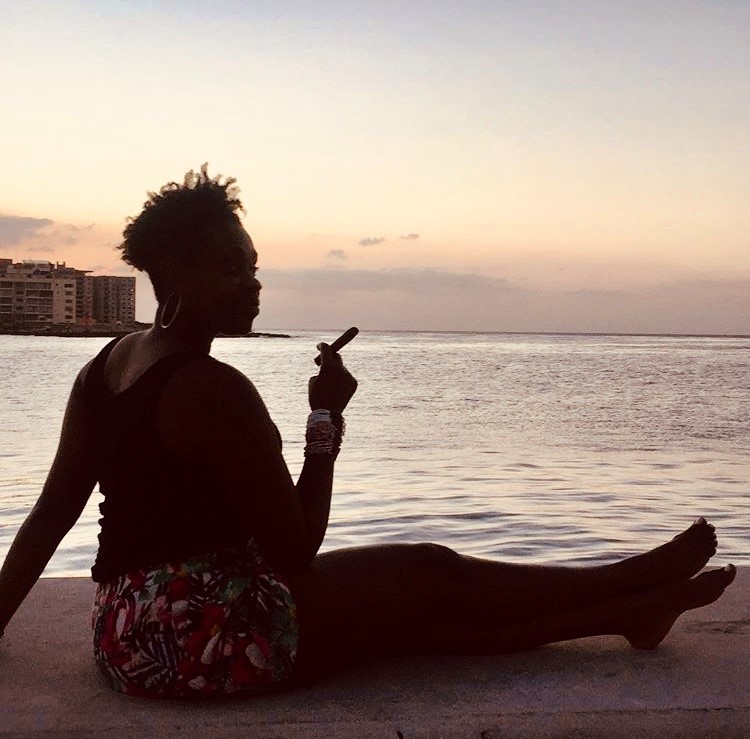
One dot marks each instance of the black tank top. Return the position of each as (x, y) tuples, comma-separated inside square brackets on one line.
[(157, 507)]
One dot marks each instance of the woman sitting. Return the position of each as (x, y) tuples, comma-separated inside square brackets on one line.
[(208, 572)]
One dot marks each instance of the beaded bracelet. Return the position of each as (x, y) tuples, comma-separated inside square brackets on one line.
[(324, 432)]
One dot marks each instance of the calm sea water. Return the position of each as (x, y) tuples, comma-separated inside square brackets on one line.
[(516, 447)]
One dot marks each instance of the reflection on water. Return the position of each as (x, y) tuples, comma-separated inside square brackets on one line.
[(533, 448)]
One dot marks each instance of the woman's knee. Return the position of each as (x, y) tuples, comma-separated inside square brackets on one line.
[(428, 554), (385, 567)]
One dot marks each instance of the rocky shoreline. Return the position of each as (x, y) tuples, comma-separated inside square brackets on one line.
[(95, 332)]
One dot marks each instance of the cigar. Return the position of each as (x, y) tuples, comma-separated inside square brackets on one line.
[(342, 341)]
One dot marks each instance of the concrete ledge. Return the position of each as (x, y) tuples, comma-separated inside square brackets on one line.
[(697, 684)]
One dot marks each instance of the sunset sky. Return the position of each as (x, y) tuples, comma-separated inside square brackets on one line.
[(511, 166)]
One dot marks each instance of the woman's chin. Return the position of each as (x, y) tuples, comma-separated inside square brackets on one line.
[(239, 327)]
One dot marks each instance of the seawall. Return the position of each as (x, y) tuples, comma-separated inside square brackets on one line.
[(696, 684)]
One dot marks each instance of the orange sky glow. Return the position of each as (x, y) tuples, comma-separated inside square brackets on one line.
[(535, 166)]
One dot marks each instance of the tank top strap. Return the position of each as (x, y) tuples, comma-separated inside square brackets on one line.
[(157, 375), (153, 378), (94, 386)]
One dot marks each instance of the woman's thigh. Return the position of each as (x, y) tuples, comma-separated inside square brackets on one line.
[(405, 598), (369, 601)]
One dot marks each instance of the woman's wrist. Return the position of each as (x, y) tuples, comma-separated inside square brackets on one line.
[(324, 432)]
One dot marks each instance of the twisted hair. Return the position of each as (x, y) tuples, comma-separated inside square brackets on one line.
[(179, 221)]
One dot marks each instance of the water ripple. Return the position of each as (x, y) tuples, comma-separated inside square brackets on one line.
[(523, 448)]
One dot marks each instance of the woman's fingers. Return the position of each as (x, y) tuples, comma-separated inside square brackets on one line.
[(334, 385), (341, 342), (328, 356)]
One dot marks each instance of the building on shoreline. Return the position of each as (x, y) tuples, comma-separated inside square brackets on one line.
[(34, 294)]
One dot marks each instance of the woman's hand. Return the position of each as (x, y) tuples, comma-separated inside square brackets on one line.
[(333, 387)]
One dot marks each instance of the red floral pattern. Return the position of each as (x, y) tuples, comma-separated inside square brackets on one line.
[(214, 625)]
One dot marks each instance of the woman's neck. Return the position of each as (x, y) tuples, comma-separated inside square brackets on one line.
[(182, 333)]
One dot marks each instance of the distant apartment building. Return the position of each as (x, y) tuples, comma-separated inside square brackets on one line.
[(31, 293), (84, 292), (113, 299), (34, 293)]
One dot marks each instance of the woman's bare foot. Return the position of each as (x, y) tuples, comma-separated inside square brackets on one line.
[(649, 616), (678, 559)]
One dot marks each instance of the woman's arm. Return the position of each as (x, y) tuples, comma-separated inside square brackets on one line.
[(213, 413), (331, 389), (68, 486)]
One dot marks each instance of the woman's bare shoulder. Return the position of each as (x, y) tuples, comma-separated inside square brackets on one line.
[(205, 377), (77, 391), (205, 402)]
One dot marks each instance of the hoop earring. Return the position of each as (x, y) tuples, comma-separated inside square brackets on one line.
[(166, 324)]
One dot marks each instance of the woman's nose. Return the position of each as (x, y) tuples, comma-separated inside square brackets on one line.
[(251, 281)]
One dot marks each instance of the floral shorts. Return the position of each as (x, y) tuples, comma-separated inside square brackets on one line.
[(218, 624)]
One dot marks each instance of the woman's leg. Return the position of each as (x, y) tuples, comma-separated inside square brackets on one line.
[(400, 598), (643, 618)]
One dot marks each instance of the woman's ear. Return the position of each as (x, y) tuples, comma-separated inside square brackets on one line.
[(173, 274)]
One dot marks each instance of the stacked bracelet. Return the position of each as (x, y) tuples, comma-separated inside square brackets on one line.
[(324, 432)]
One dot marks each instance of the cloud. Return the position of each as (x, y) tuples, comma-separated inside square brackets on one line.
[(337, 254), (407, 280), (375, 240), (115, 269), (428, 299), (396, 298), (43, 248), (64, 240), (15, 229)]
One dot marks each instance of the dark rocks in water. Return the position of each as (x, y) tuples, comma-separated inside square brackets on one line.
[(254, 335), (103, 332), (87, 332)]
